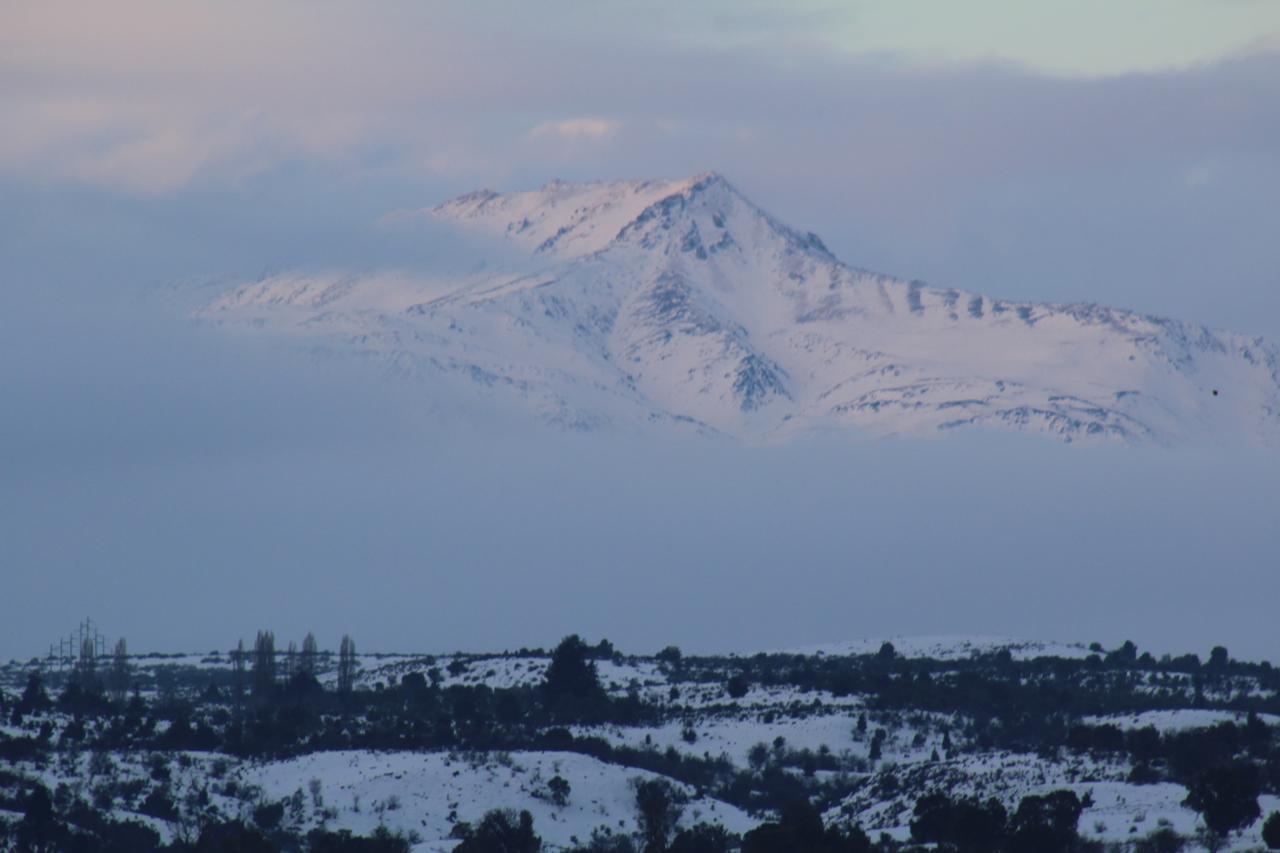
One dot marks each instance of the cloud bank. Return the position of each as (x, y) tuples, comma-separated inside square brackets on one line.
[(1149, 190)]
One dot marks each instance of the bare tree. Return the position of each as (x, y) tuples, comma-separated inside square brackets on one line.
[(659, 805), (346, 664), (291, 662)]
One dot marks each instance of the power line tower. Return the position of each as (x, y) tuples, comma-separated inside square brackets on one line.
[(78, 649)]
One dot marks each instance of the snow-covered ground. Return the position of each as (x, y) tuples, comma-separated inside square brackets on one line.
[(1177, 721), (813, 734), (948, 647), (1119, 811)]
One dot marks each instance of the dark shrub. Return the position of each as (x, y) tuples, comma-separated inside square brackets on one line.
[(1046, 824), (501, 831), (233, 838), (382, 841), (1271, 831), (269, 815), (966, 824), (703, 838)]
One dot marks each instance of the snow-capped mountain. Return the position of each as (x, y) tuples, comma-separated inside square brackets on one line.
[(681, 303)]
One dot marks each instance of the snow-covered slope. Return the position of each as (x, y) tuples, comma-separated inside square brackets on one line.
[(429, 793), (658, 304)]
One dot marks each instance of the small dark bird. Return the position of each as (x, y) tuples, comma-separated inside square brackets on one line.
[(1215, 392)]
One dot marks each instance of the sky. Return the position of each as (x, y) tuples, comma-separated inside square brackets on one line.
[(1069, 151), (187, 490)]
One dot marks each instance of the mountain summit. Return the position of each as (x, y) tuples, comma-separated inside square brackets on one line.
[(682, 304)]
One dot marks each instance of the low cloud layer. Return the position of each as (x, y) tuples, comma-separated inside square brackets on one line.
[(185, 489)]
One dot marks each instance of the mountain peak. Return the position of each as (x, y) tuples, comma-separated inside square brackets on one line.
[(709, 178), (575, 219), (680, 302)]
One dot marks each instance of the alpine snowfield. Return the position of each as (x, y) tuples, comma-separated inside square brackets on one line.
[(653, 305)]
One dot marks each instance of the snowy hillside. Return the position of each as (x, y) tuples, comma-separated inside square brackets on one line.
[(424, 746), (652, 305)]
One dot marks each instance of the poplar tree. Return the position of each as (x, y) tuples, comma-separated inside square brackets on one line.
[(264, 664), (346, 664), (309, 654), (237, 667), (120, 670), (291, 662)]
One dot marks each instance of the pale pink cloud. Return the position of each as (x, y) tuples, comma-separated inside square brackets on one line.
[(588, 128)]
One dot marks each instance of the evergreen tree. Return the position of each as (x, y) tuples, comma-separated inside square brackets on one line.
[(1226, 797), (34, 697), (877, 745), (571, 673), (40, 828), (671, 655)]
